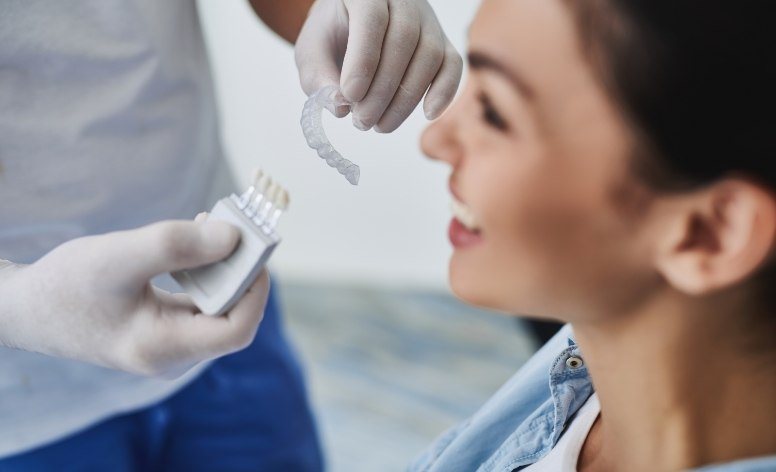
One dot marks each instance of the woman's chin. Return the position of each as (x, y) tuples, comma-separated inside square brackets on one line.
[(472, 286), (480, 286)]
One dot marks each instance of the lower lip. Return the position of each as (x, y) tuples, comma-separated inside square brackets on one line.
[(461, 237)]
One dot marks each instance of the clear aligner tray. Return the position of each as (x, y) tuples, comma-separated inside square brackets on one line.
[(312, 127)]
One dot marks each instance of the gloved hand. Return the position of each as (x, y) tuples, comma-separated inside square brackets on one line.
[(391, 53), (90, 299)]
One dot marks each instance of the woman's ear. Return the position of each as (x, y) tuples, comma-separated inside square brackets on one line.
[(717, 237)]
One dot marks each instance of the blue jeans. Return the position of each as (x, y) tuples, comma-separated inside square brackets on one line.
[(247, 411)]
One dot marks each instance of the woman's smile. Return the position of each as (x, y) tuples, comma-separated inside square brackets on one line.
[(461, 236), (464, 230)]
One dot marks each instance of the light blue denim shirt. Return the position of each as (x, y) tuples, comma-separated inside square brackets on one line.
[(522, 422)]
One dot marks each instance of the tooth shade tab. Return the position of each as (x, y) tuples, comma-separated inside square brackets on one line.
[(247, 196), (283, 200), (264, 202), (261, 190)]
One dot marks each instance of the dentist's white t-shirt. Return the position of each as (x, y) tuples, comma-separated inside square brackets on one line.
[(107, 122)]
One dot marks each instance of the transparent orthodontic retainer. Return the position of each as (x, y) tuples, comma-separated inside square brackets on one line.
[(312, 127)]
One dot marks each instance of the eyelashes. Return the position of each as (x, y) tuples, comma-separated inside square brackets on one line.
[(490, 115)]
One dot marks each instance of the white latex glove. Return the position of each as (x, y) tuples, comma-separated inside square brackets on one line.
[(90, 299), (390, 51)]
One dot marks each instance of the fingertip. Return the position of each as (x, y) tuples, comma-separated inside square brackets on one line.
[(360, 125), (431, 110), (382, 129), (262, 283), (201, 217), (339, 111), (442, 91), (342, 111), (249, 310), (439, 98)]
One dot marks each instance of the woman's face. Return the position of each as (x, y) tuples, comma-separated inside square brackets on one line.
[(557, 226)]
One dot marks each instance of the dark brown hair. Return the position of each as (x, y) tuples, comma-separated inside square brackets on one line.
[(697, 81)]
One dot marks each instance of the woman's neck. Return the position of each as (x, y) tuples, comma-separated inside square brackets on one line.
[(676, 390)]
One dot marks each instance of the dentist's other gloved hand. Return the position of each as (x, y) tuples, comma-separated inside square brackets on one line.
[(90, 299), (391, 53)]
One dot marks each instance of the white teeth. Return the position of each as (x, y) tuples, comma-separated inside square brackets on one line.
[(463, 214)]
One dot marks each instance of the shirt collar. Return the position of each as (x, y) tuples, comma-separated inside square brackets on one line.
[(570, 387)]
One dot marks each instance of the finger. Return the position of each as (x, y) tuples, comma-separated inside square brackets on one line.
[(201, 217), (180, 336), (247, 314), (445, 84), (233, 331), (424, 66), (175, 301), (316, 52), (368, 21), (399, 46), (169, 246)]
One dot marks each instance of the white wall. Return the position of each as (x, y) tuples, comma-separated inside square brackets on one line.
[(391, 229)]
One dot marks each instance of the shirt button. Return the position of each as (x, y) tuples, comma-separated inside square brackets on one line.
[(574, 362)]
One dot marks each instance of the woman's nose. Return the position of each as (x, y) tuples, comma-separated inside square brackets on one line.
[(439, 141)]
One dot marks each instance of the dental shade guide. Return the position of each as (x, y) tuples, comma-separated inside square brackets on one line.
[(215, 288)]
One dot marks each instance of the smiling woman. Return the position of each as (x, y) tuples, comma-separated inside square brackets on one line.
[(612, 167)]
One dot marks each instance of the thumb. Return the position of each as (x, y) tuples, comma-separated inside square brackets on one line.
[(317, 52), (172, 245)]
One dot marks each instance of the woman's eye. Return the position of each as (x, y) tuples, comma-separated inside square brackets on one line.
[(490, 115)]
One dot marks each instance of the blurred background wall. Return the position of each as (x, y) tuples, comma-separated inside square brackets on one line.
[(391, 229)]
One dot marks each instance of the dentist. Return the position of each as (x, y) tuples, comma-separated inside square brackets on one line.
[(109, 145)]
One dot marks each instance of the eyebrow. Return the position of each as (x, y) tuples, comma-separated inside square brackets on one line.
[(481, 61)]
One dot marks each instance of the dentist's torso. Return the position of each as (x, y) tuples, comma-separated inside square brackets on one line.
[(107, 121)]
